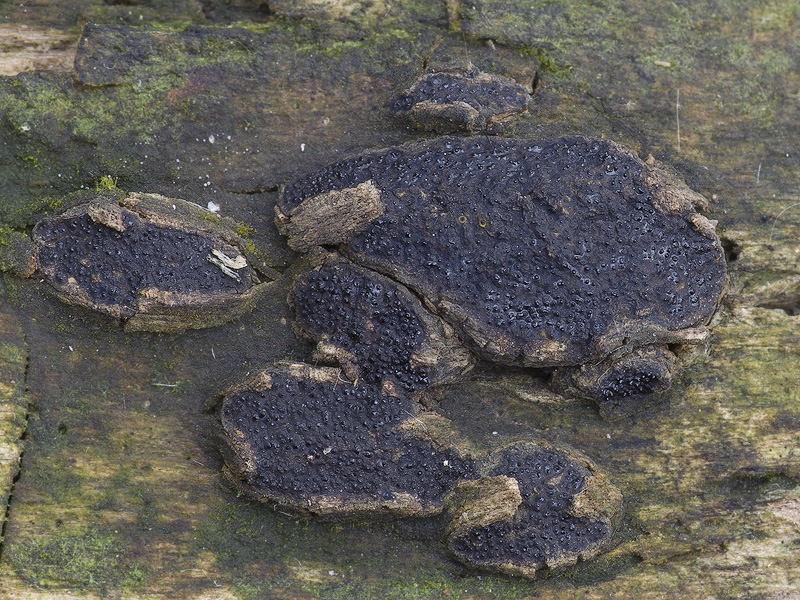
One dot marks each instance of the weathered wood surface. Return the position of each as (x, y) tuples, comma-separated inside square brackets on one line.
[(121, 493), (13, 403)]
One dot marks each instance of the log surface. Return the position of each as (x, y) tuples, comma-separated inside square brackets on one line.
[(120, 492)]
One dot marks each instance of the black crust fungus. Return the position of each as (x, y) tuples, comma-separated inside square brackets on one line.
[(305, 439), (538, 253), (549, 528), (312, 441), (571, 253), (376, 329), (629, 382), (156, 272), (114, 267), (619, 384), (457, 99)]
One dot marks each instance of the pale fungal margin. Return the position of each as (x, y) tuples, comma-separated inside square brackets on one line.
[(348, 210)]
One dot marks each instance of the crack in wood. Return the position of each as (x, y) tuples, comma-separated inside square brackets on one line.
[(14, 412)]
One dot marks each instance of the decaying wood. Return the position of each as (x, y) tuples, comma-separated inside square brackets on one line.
[(28, 48), (13, 407), (121, 492)]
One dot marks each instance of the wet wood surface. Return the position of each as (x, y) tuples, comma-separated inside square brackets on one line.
[(120, 491)]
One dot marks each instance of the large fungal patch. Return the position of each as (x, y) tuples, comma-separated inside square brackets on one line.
[(538, 253), (354, 440), (311, 440), (570, 253), (307, 439)]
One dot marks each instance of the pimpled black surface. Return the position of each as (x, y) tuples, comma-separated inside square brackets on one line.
[(313, 438), (492, 97), (530, 238), (365, 314), (626, 382), (113, 267), (541, 529)]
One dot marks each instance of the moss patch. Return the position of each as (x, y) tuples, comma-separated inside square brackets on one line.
[(88, 559)]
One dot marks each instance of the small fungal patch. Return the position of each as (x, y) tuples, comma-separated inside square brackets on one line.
[(154, 262), (550, 526), (618, 381), (376, 329), (460, 99)]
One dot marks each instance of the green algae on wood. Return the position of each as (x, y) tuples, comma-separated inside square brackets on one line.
[(87, 560), (124, 459)]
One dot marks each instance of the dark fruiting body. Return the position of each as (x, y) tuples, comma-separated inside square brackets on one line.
[(156, 263), (459, 99), (313, 441), (376, 329), (617, 382), (571, 253), (114, 267), (543, 530), (301, 437), (354, 312), (538, 253)]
